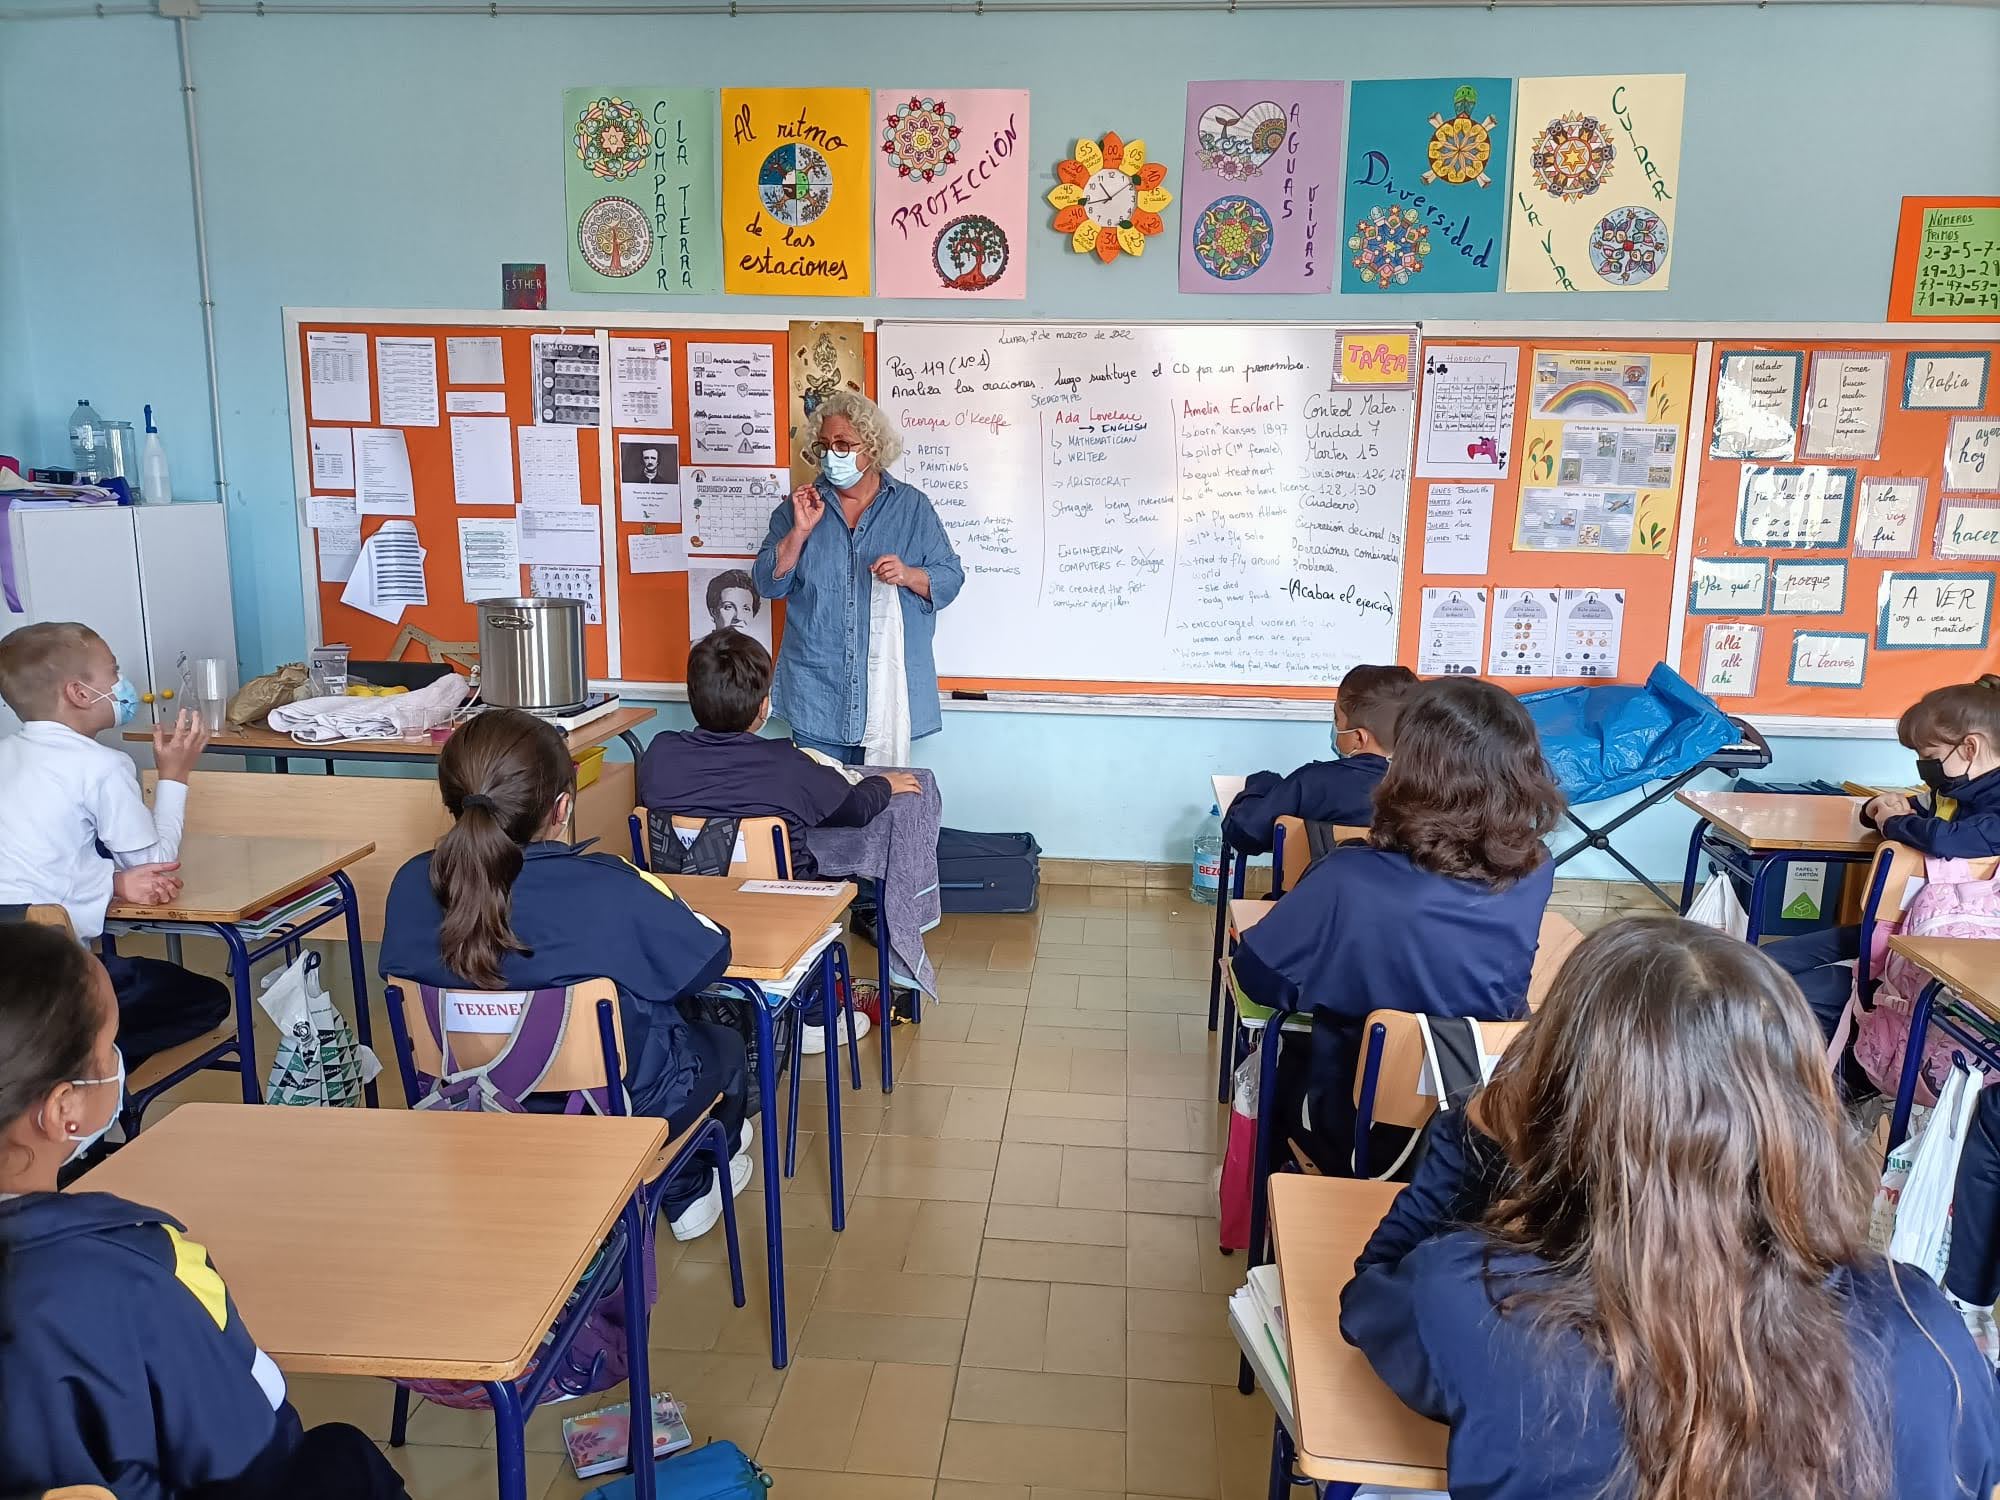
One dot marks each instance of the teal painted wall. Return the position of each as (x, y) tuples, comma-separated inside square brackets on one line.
[(382, 161)]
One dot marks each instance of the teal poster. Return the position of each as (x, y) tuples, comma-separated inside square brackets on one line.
[(1424, 196), (639, 189)]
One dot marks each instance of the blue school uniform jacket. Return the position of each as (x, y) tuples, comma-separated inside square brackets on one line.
[(1321, 791), (1968, 829), (702, 773), (1532, 1412), (583, 916), (1365, 929), (124, 1362)]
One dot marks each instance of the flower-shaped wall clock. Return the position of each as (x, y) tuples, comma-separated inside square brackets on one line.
[(1109, 198)]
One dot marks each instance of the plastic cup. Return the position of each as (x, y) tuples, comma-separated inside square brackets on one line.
[(211, 691)]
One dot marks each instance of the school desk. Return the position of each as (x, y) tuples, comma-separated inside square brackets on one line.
[(257, 740), (1753, 834), (1962, 1000), (1227, 790), (412, 1245), (225, 884), (768, 935), (1348, 1427)]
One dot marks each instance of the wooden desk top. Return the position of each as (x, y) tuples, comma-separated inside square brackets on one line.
[(258, 740), (1970, 967), (1784, 820), (390, 1242), (1351, 1427), (228, 879), (1245, 912), (768, 934)]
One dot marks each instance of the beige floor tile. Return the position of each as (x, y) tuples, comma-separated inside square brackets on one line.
[(1150, 962), (1053, 990), (1150, 1310), (1086, 1330), (1190, 1198), (1169, 1166), (1039, 1019), (1096, 1072), (950, 1071), (694, 1301), (1037, 1260), (918, 1151), (1147, 1033), (1056, 1131), (961, 1185), (1064, 929), (704, 1380), (987, 987), (889, 1291), (1034, 1455), (467, 1473), (1039, 1067), (1034, 1399), (916, 1108), (1100, 992), (1028, 1173), (882, 1336), (1162, 1125), (747, 1329), (358, 1403), (1092, 1177), (1243, 1442), (1107, 962), (815, 1484), (1178, 997), (902, 1424), (877, 1238), (997, 1026), (1184, 1357), (1162, 1251), (1170, 1439), (1065, 1105), (947, 1239), (1109, 931), (972, 1489), (1007, 1328), (1061, 1226)]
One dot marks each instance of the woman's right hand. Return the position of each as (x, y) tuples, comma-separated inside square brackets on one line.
[(807, 508)]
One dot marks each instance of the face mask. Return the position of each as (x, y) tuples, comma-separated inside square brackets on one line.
[(116, 1082), (842, 470), (1933, 775), (124, 699), (1338, 753)]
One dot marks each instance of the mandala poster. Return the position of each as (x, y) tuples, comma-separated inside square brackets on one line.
[(1597, 171), (1426, 185), (639, 184), (795, 174), (1261, 196), (951, 192)]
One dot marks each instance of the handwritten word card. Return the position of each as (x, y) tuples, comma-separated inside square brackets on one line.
[(1822, 658), (1727, 586), (1814, 588), (1729, 660), (1946, 379), (1783, 506), (1467, 423), (1972, 456), (1888, 517), (1844, 405), (1458, 528), (1451, 633), (1923, 611), (1969, 528), (1757, 404)]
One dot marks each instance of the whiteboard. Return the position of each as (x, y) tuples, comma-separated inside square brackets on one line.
[(1158, 503)]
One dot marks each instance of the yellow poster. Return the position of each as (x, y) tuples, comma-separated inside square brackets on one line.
[(1603, 450), (1597, 171), (796, 165)]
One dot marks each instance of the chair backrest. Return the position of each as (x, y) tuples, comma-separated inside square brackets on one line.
[(1293, 846), (480, 1024), (1399, 1072), (41, 915), (1889, 895), (1559, 935), (763, 847)]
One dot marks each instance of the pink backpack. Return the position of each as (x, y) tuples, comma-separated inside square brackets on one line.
[(1954, 902)]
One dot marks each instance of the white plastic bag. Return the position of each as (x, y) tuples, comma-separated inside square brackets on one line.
[(1717, 906), (318, 1061), (1927, 1164)]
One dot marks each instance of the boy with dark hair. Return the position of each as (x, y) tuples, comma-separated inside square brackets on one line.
[(724, 769), (1341, 790), (75, 830)]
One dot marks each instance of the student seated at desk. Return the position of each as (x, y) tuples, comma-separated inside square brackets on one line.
[(1955, 732), (123, 1359), (1341, 790), (75, 831), (725, 769), (1439, 913), (504, 903), (1666, 1290)]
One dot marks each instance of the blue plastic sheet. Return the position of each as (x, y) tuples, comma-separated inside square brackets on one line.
[(1600, 741)]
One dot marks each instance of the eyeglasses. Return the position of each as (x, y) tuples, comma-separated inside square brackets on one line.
[(843, 446)]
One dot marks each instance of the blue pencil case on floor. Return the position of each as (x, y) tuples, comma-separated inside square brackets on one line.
[(714, 1471)]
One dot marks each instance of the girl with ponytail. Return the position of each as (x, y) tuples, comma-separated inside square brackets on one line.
[(505, 902)]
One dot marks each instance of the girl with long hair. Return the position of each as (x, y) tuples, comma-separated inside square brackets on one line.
[(1654, 1282), (1438, 913), (505, 902)]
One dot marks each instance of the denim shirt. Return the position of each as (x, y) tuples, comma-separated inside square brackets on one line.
[(822, 673)]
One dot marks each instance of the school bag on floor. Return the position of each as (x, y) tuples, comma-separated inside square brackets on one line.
[(1954, 902), (714, 1471)]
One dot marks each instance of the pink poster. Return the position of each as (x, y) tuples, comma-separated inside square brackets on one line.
[(1260, 191), (951, 193)]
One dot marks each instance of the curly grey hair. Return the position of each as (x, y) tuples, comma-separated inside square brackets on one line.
[(871, 424)]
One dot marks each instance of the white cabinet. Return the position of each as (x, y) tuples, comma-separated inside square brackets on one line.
[(153, 580)]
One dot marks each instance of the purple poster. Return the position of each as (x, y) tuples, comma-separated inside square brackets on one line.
[(1260, 195)]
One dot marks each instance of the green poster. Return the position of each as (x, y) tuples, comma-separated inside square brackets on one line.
[(639, 187)]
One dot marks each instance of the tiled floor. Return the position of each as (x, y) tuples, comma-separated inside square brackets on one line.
[(1027, 1302)]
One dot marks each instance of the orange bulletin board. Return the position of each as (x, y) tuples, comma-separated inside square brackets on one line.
[(1912, 447), (644, 614), (1645, 578)]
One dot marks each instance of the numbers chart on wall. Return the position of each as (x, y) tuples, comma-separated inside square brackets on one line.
[(1197, 504)]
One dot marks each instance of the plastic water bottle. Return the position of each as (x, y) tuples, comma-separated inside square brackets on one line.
[(1208, 859), (89, 443), (156, 485)]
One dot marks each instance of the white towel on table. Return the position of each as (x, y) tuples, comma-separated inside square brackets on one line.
[(320, 721)]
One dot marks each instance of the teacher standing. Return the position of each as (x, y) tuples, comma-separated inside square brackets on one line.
[(864, 565)]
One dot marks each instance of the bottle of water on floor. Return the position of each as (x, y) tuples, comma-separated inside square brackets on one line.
[(1208, 858)]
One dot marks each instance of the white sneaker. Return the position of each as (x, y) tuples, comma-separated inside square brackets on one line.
[(704, 1213), (812, 1039), (740, 1168), (747, 1137)]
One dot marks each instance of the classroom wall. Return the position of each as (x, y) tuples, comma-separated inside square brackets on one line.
[(396, 161)]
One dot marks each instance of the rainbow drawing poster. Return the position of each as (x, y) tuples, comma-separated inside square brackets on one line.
[(1603, 450)]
